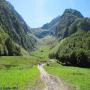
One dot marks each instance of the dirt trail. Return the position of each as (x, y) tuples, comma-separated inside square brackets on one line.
[(51, 82)]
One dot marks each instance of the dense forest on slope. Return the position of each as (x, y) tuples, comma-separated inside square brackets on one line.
[(14, 26), (74, 50), (74, 35), (7, 46)]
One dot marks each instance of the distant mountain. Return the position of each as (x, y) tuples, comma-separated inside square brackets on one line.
[(52, 23), (59, 26), (69, 16), (15, 30), (45, 29), (39, 32)]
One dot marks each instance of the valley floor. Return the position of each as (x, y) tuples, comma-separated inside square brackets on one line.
[(19, 73), (22, 73), (52, 82), (77, 77)]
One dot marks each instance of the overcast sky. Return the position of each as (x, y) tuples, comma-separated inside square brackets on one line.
[(38, 12)]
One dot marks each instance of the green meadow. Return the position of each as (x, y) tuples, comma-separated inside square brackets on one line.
[(75, 76), (44, 48), (41, 53), (19, 73)]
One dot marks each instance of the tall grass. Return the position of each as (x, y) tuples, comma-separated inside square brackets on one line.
[(17, 72)]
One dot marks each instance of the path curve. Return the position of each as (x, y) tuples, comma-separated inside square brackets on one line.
[(51, 82)]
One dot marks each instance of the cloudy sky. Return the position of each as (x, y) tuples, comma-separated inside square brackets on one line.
[(38, 12)]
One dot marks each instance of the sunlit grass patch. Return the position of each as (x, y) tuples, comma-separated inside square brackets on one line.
[(78, 77), (18, 72)]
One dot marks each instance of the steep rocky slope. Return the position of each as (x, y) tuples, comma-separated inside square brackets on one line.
[(15, 27)]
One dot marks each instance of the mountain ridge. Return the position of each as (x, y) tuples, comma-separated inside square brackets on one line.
[(58, 25), (16, 28)]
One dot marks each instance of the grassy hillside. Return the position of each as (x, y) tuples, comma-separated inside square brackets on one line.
[(42, 53), (74, 50), (77, 77), (44, 48)]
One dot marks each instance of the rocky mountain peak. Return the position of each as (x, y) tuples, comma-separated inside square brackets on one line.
[(73, 12)]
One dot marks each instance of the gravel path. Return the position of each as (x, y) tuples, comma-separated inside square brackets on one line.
[(51, 82)]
